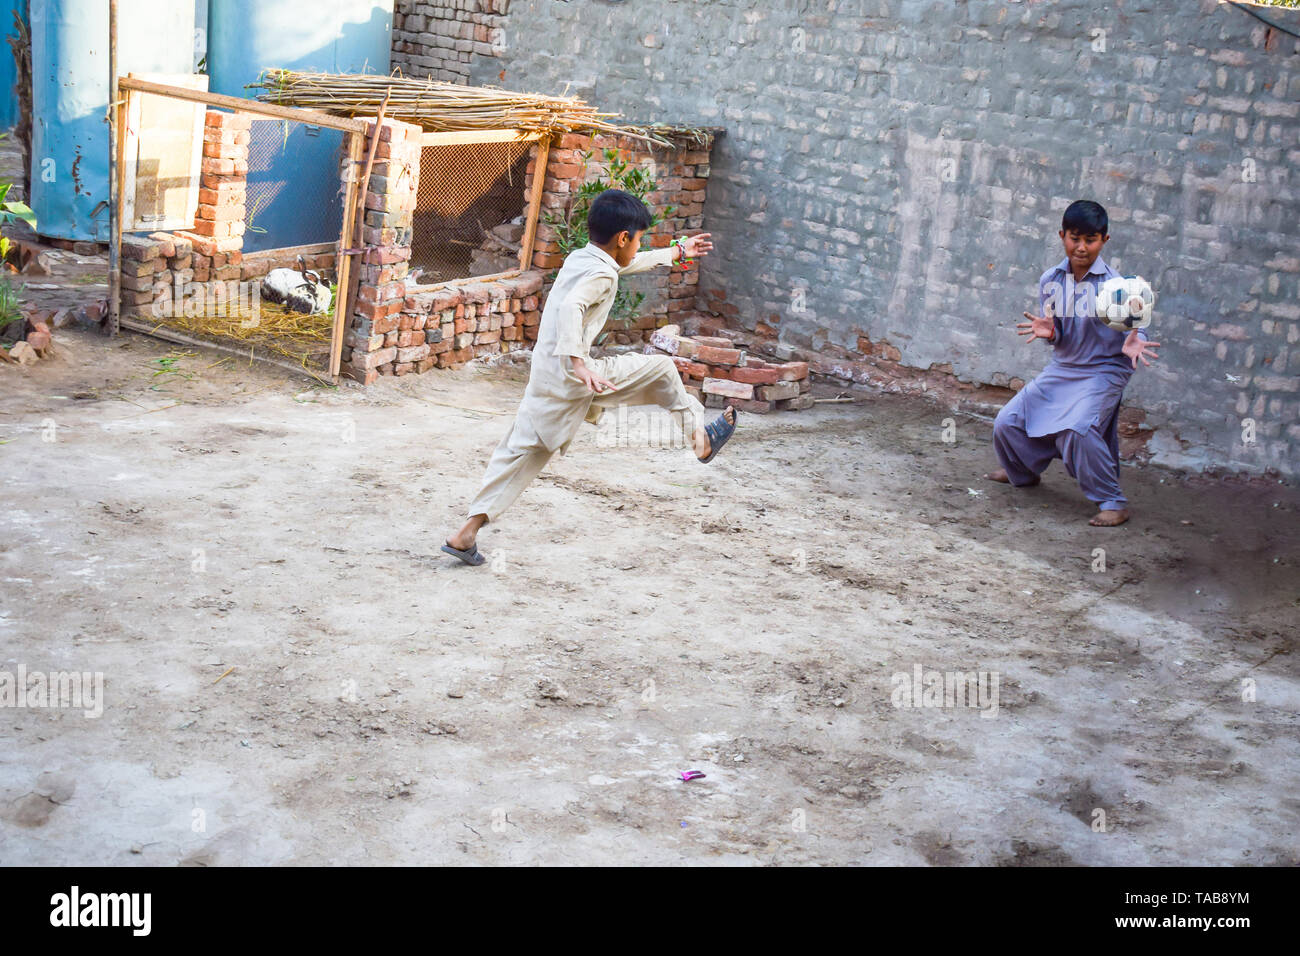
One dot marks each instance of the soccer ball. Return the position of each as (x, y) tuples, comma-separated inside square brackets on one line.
[(1125, 303)]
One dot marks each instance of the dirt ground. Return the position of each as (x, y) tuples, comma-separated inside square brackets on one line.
[(167, 521)]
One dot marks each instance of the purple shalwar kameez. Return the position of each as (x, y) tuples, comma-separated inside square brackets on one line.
[(1071, 409)]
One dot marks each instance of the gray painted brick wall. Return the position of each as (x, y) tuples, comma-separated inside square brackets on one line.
[(907, 162)]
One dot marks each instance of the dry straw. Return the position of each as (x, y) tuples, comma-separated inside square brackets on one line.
[(295, 335), (437, 107)]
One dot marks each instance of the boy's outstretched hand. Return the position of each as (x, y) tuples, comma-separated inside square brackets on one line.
[(1136, 348), (1038, 326), (695, 246), (589, 378)]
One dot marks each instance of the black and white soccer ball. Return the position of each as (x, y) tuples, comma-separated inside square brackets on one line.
[(1125, 303)]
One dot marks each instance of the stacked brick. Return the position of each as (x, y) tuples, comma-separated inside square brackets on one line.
[(390, 197), (223, 183), (565, 171), (681, 174), (448, 326), (153, 268), (718, 373), (439, 39)]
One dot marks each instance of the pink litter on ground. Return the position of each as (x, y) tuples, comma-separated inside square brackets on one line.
[(688, 775)]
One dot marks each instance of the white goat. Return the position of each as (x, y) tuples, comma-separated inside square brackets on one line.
[(298, 289)]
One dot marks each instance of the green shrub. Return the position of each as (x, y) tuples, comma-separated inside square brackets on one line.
[(10, 211), (571, 228)]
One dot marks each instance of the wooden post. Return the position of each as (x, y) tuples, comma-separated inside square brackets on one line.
[(343, 267), (294, 113), (112, 321), (354, 279), (534, 203)]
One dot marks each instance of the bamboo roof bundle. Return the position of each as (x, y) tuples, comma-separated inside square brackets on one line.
[(437, 107)]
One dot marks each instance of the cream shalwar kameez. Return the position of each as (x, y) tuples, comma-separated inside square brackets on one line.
[(556, 402)]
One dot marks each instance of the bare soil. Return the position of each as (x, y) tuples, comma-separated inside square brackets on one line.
[(170, 521)]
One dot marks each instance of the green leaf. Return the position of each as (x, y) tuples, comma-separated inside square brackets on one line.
[(9, 211), (571, 228)]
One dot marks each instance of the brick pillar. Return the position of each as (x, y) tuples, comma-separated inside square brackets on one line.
[(370, 346), (689, 177), (217, 238), (146, 277), (565, 171), (682, 173), (223, 185)]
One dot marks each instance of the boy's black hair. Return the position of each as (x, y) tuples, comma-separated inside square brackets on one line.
[(614, 211), (1084, 217)]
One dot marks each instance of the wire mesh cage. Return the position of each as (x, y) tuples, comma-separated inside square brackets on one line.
[(244, 210), (238, 220), (470, 210), (294, 197)]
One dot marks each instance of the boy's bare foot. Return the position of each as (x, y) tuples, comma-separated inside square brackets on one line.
[(1109, 519), (1001, 475), (703, 447), (464, 539)]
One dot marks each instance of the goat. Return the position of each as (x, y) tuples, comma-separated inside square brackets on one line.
[(298, 289)]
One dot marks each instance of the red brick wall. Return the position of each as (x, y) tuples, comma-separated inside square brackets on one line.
[(400, 329), (397, 327), (682, 174)]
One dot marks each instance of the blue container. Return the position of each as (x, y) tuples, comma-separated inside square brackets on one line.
[(8, 70), (69, 161), (293, 172)]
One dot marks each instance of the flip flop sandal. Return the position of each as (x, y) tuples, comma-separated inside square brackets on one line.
[(719, 431), (470, 557)]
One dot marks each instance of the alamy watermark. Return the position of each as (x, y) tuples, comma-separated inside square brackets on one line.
[(232, 298), (128, 910), (637, 426), (71, 689), (932, 688)]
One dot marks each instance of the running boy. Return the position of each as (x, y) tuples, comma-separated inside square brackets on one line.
[(1071, 410), (566, 386)]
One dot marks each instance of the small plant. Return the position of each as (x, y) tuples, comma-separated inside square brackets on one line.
[(9, 311), (10, 211), (571, 228)]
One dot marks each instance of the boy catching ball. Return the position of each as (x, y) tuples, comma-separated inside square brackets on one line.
[(1071, 410)]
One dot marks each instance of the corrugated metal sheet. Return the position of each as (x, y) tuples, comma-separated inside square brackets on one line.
[(70, 99), (8, 72), (293, 173)]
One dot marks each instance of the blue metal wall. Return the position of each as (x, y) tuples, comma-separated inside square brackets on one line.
[(8, 70), (69, 161), (298, 171)]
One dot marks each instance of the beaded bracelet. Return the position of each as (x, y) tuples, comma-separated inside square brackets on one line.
[(684, 261)]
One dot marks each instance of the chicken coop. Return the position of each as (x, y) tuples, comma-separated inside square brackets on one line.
[(198, 174), (223, 244), (471, 213)]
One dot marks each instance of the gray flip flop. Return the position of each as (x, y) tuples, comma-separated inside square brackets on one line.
[(470, 557), (719, 431)]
